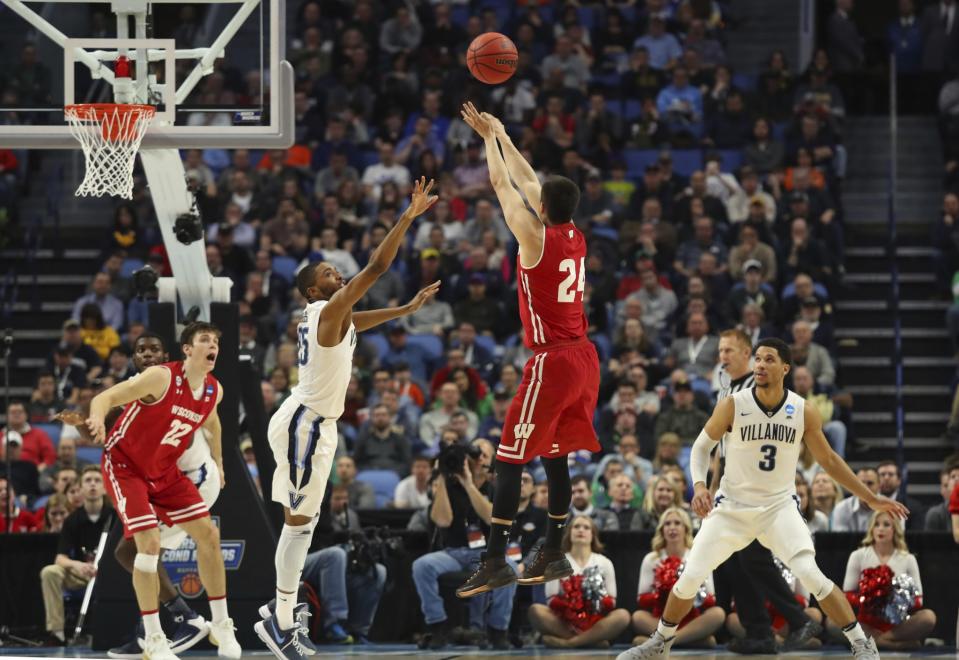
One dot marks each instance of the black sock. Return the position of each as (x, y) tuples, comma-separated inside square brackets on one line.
[(555, 527), (498, 539)]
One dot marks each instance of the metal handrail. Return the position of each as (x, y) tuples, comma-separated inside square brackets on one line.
[(894, 270)]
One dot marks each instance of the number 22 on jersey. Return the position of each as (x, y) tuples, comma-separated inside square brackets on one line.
[(574, 282)]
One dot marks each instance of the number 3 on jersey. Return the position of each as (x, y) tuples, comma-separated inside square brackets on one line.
[(574, 282), (302, 343)]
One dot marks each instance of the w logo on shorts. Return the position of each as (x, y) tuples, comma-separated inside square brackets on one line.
[(523, 431)]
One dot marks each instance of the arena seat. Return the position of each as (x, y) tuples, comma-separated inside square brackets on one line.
[(383, 483), (432, 344), (637, 160), (731, 159), (53, 430), (632, 109), (378, 341), (285, 267), (90, 454), (687, 161), (487, 342), (129, 266)]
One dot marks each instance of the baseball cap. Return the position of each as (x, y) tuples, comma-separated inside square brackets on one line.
[(430, 253), (752, 263), (593, 176), (811, 301), (245, 444), (71, 324), (477, 278), (682, 385), (500, 393), (653, 167), (14, 438), (798, 196)]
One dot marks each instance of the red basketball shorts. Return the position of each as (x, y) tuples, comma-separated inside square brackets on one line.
[(143, 503), (552, 412)]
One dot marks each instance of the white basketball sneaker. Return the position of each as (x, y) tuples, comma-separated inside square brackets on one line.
[(222, 635), (156, 647), (865, 649), (654, 648)]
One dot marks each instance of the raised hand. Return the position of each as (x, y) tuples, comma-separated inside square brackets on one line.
[(892, 507), (476, 121), (498, 129), (421, 199), (70, 417), (423, 295)]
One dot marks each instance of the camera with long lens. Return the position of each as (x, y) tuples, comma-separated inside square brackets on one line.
[(449, 462)]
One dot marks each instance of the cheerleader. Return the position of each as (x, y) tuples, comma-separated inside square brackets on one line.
[(672, 541), (885, 545), (582, 547)]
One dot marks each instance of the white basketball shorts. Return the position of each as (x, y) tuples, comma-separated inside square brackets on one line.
[(303, 444)]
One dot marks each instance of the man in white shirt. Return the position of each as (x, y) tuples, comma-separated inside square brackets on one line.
[(413, 491), (851, 515), (343, 260), (387, 169)]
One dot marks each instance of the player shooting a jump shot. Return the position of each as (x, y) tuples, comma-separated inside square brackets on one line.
[(766, 427), (551, 414)]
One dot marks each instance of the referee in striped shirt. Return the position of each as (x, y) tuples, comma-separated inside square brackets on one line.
[(750, 576)]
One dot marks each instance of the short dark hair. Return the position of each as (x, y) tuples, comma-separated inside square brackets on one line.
[(90, 468), (560, 198), (44, 373), (195, 328), (419, 458), (778, 345), (578, 478), (891, 462), (304, 278), (149, 334)]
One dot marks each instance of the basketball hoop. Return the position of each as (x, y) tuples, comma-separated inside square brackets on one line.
[(110, 135)]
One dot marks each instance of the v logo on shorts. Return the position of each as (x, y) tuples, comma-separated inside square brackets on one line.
[(295, 499)]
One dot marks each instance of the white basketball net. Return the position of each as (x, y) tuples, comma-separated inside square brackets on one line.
[(110, 135)]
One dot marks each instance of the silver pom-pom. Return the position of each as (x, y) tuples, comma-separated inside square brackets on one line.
[(787, 574), (901, 599), (701, 594), (594, 589)]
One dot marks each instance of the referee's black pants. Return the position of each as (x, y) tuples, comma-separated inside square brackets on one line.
[(751, 577)]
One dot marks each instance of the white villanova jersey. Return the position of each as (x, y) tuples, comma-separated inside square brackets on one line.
[(324, 372), (762, 449)]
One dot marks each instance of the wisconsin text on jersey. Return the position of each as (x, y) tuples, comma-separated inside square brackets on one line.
[(180, 411)]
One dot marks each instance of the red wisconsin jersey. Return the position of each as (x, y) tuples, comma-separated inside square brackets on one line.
[(150, 437), (551, 292)]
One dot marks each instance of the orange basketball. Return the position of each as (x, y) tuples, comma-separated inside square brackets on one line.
[(492, 58)]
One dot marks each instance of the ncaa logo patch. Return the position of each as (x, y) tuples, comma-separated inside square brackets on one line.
[(790, 409)]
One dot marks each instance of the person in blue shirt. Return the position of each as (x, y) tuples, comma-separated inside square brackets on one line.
[(412, 354), (905, 39), (664, 49), (681, 105)]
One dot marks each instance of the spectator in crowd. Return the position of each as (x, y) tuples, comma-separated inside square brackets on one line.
[(361, 494), (826, 495), (621, 492), (434, 317), (753, 290), (663, 48), (581, 504), (852, 514), (83, 362), (674, 538), (698, 351), (381, 445), (110, 306), (432, 422), (681, 106), (662, 494), (22, 520), (96, 333), (811, 355), (413, 355), (460, 501), (52, 476), (890, 482), (885, 545), (24, 476), (37, 448), (413, 491), (73, 567), (764, 153), (45, 402), (658, 303), (479, 310), (55, 513), (385, 171), (816, 520), (582, 546), (803, 253), (938, 518), (682, 418), (940, 37), (828, 407)]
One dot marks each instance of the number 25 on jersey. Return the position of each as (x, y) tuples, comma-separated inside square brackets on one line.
[(574, 282)]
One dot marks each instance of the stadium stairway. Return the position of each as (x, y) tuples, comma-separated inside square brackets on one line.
[(47, 286), (863, 320)]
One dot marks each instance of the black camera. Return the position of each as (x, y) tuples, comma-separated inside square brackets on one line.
[(369, 548), (449, 462), (145, 283), (187, 228)]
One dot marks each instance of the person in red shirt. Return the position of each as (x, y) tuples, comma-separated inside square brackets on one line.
[(22, 520), (164, 407), (552, 412), (954, 511), (37, 446)]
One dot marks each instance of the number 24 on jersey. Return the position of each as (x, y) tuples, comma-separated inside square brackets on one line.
[(574, 282)]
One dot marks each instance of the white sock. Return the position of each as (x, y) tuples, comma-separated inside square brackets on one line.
[(291, 553), (667, 630), (218, 609), (151, 623), (854, 632)]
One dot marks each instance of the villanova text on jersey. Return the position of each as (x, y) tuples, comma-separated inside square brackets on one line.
[(768, 431)]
